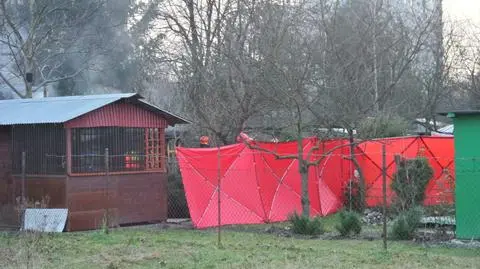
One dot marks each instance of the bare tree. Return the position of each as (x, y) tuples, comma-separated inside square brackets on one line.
[(343, 71), (467, 74), (371, 46), (292, 70), (217, 65), (330, 63), (36, 39)]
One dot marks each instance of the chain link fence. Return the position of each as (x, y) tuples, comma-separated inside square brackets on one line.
[(177, 202), (26, 188), (407, 196), (225, 195)]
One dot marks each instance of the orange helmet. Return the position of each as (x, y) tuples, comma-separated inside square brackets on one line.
[(204, 140)]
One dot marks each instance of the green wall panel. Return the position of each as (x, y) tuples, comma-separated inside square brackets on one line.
[(467, 172)]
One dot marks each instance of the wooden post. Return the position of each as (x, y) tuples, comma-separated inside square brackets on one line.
[(24, 169), (106, 162), (397, 159), (384, 191), (68, 136), (68, 167)]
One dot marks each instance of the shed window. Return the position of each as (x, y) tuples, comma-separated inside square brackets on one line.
[(130, 149), (44, 147)]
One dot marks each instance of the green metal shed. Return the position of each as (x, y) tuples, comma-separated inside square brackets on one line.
[(467, 172)]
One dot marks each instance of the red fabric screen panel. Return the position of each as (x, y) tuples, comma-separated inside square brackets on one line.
[(240, 200), (334, 170), (437, 150), (256, 187), (440, 152), (371, 165)]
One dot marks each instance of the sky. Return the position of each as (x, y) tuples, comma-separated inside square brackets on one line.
[(463, 17), (463, 10)]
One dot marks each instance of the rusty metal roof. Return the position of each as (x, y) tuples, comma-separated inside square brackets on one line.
[(63, 109)]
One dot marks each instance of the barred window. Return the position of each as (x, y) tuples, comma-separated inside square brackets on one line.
[(130, 149), (44, 147)]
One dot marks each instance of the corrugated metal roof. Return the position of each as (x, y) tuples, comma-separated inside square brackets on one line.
[(445, 131), (461, 112), (59, 109), (171, 118)]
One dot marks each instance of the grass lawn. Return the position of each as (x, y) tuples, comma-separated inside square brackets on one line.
[(173, 248)]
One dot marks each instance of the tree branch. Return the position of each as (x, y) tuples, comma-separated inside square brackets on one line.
[(11, 86), (10, 22), (45, 82), (277, 156), (309, 154)]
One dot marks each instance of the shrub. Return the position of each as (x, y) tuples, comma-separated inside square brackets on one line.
[(410, 182), (406, 223), (177, 203), (350, 223), (305, 225), (351, 195), (382, 126)]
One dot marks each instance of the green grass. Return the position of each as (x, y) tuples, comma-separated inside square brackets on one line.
[(149, 248), (328, 223)]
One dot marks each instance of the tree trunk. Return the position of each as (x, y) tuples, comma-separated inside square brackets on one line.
[(305, 196), (28, 70), (375, 68), (28, 53), (361, 181), (303, 170), (28, 90)]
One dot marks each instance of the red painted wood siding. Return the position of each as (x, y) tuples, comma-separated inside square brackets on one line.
[(5, 167), (129, 198), (5, 153), (38, 188), (122, 115)]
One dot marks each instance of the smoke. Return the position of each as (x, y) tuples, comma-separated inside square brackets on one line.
[(101, 51), (104, 54)]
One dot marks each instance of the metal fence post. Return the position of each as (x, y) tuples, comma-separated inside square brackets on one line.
[(23, 203), (107, 188), (24, 169), (219, 197), (384, 193)]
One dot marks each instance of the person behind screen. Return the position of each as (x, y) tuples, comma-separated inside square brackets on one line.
[(204, 142)]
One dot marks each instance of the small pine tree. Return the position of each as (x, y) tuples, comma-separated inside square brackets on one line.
[(406, 223), (351, 195), (350, 223), (410, 182), (305, 225)]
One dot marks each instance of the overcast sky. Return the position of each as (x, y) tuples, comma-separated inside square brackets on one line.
[(463, 9)]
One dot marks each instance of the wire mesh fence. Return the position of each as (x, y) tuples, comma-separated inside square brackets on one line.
[(177, 202), (258, 191), (163, 197), (407, 195)]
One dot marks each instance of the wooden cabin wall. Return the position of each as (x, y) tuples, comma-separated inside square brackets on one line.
[(51, 188), (130, 199), (5, 166), (8, 216), (40, 192)]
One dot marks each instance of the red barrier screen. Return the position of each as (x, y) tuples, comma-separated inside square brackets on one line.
[(257, 187)]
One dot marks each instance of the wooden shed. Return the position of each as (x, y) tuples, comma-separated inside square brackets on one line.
[(100, 156)]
